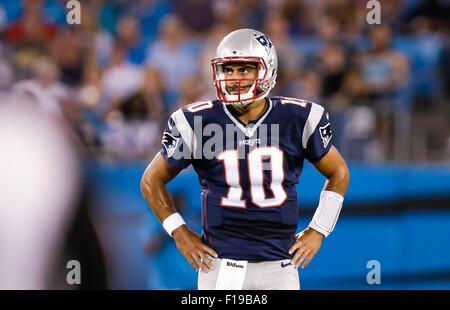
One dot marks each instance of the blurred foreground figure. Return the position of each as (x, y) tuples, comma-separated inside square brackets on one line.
[(39, 183)]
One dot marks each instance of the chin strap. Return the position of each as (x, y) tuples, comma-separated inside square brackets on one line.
[(244, 102)]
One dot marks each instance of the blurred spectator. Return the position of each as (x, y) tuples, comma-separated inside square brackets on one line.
[(3, 18), (150, 13), (129, 35), (32, 27), (6, 72), (306, 85), (67, 51), (172, 56), (190, 91), (43, 91), (152, 90), (384, 69), (121, 78), (133, 117), (433, 12), (385, 72), (253, 13), (30, 35), (109, 14), (288, 59), (85, 111), (354, 119), (90, 93), (358, 136), (352, 90), (290, 11), (229, 12), (132, 134), (195, 14), (328, 29), (332, 66), (348, 16)]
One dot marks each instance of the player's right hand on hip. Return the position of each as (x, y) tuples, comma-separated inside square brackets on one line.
[(193, 249)]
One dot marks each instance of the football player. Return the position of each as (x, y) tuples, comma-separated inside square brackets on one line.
[(248, 171)]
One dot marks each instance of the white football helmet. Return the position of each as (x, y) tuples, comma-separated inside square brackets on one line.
[(250, 46)]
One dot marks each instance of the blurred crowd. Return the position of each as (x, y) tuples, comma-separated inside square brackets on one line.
[(115, 78)]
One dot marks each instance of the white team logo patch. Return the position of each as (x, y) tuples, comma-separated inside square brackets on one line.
[(325, 134), (170, 143)]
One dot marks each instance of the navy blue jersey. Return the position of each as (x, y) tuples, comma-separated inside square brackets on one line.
[(248, 172)]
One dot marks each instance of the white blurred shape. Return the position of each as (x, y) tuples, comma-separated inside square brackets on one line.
[(122, 80), (38, 185), (360, 123), (31, 93)]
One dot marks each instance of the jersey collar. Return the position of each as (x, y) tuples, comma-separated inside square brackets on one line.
[(248, 129)]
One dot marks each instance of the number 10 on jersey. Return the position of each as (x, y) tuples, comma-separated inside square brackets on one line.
[(255, 163)]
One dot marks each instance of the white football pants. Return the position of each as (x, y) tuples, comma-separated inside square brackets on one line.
[(267, 275)]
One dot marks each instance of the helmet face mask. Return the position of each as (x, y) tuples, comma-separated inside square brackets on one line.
[(257, 89), (245, 46)]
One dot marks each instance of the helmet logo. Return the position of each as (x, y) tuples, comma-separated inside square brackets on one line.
[(264, 41)]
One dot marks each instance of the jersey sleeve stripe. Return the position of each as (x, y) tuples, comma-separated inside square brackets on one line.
[(185, 130), (315, 114)]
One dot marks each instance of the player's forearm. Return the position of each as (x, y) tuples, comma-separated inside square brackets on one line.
[(338, 180), (157, 196), (333, 167)]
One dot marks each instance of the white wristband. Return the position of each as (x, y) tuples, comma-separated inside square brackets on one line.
[(327, 212), (172, 222)]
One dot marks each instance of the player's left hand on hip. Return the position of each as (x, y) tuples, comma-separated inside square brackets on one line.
[(307, 245)]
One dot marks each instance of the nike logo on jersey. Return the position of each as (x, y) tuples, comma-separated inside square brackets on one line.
[(284, 265)]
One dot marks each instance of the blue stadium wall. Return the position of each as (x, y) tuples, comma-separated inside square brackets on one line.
[(398, 215)]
